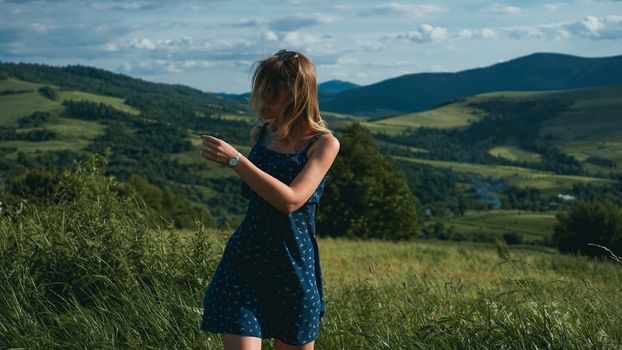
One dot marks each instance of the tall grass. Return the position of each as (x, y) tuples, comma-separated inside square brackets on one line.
[(511, 306), (93, 272)]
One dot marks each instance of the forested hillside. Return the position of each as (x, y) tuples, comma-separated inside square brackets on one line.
[(421, 91), (498, 151)]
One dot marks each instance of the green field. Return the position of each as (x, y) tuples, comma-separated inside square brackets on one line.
[(515, 153), (497, 222), (547, 182), (15, 106), (454, 115), (93, 272), (591, 127), (71, 133)]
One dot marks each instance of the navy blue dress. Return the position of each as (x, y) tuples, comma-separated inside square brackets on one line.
[(268, 283)]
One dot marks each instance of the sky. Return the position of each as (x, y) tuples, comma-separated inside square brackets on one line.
[(212, 45)]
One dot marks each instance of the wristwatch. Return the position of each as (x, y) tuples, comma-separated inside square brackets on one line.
[(233, 161)]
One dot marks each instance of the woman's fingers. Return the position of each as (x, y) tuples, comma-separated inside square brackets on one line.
[(212, 149), (210, 139), (211, 153)]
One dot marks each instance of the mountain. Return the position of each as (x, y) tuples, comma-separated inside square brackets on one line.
[(335, 86), (421, 91), (237, 97), (325, 89)]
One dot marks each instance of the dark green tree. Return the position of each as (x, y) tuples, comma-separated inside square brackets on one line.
[(48, 92), (598, 222), (367, 196)]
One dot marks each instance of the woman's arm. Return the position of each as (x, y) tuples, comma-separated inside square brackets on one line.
[(283, 197)]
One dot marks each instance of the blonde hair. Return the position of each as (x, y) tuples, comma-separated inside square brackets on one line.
[(291, 80)]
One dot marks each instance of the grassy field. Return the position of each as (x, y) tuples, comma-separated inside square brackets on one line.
[(71, 133), (515, 153), (439, 295), (547, 182), (498, 222), (591, 127), (96, 274), (15, 106), (454, 115)]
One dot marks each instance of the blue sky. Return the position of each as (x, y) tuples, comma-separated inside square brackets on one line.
[(211, 44)]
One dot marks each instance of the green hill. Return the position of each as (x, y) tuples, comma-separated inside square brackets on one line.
[(500, 150), (590, 128), (421, 91), (151, 129)]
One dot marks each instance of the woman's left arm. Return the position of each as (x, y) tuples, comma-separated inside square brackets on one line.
[(283, 197)]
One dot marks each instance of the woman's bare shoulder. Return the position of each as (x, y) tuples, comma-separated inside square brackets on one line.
[(327, 142)]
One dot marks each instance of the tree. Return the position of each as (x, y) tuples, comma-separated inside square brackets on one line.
[(367, 195), (48, 92), (589, 222)]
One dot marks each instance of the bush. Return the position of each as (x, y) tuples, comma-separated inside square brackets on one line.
[(513, 237), (48, 92), (598, 222)]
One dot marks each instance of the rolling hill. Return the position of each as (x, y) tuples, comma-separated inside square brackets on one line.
[(152, 130), (421, 91), (590, 127), (325, 90)]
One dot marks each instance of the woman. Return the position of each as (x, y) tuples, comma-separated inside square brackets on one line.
[(268, 283)]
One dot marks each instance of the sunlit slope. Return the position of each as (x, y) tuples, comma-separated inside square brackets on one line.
[(546, 181), (592, 126), (20, 98)]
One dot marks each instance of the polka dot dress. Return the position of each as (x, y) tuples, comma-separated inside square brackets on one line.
[(268, 283)]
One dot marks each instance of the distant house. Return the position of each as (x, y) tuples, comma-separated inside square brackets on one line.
[(566, 197)]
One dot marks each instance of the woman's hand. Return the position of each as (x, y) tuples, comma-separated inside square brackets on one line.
[(217, 150)]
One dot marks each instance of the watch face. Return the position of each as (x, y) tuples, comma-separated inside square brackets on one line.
[(233, 161)]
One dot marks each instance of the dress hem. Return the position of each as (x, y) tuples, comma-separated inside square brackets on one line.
[(220, 330)]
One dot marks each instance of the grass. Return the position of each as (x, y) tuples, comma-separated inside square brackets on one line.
[(591, 127), (515, 153), (74, 134), (15, 106), (93, 272), (548, 182), (21, 105), (451, 116), (498, 222), (71, 133)]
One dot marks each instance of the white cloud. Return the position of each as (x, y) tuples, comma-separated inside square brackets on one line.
[(288, 23), (485, 33), (424, 33), (502, 9), (142, 44), (269, 35), (159, 65), (554, 6), (396, 8), (590, 27)]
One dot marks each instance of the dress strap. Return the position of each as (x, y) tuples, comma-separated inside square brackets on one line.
[(259, 137), (312, 141)]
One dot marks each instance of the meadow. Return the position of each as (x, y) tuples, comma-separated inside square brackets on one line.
[(93, 271), (546, 181)]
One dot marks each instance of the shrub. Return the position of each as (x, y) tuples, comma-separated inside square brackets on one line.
[(598, 222)]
